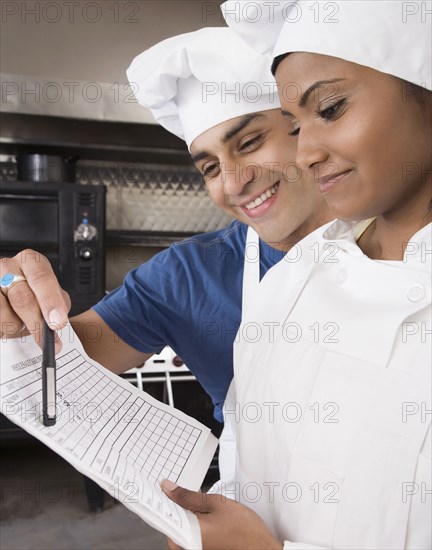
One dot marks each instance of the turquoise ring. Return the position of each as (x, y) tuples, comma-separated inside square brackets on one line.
[(9, 280)]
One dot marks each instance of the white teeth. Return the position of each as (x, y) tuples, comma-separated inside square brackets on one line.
[(263, 197)]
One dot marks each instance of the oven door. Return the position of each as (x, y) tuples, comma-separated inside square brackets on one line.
[(167, 379)]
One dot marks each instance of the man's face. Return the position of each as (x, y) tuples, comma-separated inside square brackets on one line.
[(248, 164)]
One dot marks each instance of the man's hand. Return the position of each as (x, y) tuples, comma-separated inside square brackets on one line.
[(224, 524), (27, 301)]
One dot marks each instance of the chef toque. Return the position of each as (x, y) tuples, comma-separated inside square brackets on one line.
[(197, 80), (391, 36)]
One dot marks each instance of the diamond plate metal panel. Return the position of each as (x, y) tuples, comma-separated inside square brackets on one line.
[(153, 198), (142, 197)]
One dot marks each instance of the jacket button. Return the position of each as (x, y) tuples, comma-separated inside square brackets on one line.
[(342, 276), (416, 293)]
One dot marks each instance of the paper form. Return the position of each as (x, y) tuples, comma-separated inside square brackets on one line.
[(119, 436)]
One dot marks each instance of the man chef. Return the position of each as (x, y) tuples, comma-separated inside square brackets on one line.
[(216, 93)]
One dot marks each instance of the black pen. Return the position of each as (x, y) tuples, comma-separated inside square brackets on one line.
[(48, 376)]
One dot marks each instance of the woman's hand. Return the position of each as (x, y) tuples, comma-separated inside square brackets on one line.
[(224, 523)]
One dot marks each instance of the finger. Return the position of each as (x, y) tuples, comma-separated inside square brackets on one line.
[(41, 295), (29, 316), (21, 307), (190, 500), (45, 287), (66, 299), (10, 324), (24, 304)]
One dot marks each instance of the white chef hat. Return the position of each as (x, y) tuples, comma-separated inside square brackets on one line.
[(197, 80), (391, 36)]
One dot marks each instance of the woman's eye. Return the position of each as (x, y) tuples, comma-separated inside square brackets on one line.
[(294, 132), (332, 111)]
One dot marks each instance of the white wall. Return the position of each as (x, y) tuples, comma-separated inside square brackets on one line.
[(85, 41)]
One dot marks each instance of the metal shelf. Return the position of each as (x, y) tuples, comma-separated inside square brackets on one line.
[(143, 238), (90, 139)]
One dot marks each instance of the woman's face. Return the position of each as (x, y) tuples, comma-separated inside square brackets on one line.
[(362, 135)]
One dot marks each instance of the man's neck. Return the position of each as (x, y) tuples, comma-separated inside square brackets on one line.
[(319, 219)]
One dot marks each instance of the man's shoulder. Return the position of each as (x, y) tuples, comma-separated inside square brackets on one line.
[(229, 240), (213, 252)]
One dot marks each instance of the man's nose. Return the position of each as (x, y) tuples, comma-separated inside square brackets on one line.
[(235, 175)]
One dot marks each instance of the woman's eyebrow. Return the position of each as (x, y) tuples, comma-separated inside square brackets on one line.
[(305, 97)]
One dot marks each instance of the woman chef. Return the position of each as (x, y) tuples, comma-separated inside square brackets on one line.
[(333, 404)]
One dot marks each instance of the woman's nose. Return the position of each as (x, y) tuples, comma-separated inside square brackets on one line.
[(311, 149)]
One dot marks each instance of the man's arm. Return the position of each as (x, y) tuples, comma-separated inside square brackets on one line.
[(103, 345), (41, 296)]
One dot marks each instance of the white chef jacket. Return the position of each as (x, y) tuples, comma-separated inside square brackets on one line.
[(332, 369)]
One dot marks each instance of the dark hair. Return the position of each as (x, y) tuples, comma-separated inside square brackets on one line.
[(419, 93), (277, 61)]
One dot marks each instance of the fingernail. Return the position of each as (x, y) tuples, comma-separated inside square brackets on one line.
[(168, 485), (56, 318)]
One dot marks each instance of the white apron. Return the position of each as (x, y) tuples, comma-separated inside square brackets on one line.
[(227, 440), (332, 370)]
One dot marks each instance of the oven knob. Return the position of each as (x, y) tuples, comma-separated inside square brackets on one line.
[(86, 254), (177, 361)]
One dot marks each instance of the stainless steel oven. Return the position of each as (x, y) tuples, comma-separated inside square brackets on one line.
[(167, 378), (66, 223)]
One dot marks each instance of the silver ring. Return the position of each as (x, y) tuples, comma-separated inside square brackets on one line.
[(9, 280)]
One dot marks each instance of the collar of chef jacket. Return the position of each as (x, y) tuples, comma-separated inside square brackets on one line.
[(328, 266), (418, 250)]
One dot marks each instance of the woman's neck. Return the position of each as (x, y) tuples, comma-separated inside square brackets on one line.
[(387, 237)]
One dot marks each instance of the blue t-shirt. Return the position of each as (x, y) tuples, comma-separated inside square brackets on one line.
[(189, 297)]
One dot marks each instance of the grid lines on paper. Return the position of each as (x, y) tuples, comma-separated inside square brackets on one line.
[(107, 425)]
